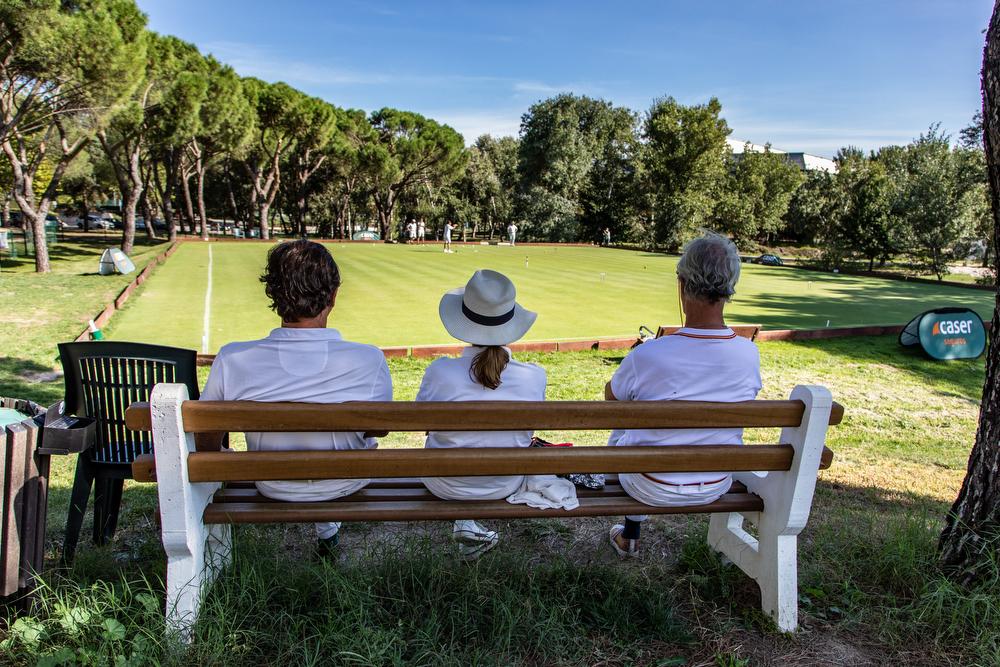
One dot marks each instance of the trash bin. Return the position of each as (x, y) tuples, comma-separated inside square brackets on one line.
[(24, 483)]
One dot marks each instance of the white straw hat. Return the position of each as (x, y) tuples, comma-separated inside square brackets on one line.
[(484, 311)]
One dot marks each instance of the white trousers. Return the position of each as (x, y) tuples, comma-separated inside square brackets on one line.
[(658, 494)]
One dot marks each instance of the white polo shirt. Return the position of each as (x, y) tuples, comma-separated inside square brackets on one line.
[(689, 365), (448, 379), (308, 366)]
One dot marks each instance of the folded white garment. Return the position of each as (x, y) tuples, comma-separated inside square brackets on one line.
[(546, 492)]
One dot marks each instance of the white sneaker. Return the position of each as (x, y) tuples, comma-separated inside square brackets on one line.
[(473, 539), (633, 545)]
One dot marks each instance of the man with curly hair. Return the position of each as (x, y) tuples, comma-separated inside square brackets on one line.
[(302, 361)]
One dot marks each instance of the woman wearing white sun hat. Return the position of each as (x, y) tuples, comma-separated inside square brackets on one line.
[(484, 314)]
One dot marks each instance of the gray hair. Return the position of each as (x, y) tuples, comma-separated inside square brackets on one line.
[(710, 267)]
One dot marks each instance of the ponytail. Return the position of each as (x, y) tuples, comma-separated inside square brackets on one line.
[(488, 365)]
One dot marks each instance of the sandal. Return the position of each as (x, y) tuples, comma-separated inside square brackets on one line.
[(633, 545)]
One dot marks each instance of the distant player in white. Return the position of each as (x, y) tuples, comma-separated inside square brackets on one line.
[(512, 233), (447, 235), (411, 230), (421, 231)]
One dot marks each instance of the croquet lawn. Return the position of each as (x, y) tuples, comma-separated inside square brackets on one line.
[(390, 294)]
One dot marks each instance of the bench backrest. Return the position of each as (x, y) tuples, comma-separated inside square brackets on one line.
[(804, 417)]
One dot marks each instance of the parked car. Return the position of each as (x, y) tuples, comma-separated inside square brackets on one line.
[(66, 223), (96, 222), (769, 260)]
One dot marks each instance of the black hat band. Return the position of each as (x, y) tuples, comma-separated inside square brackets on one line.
[(487, 320)]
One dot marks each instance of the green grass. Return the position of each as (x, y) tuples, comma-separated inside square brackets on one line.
[(552, 593), (390, 294), (40, 311)]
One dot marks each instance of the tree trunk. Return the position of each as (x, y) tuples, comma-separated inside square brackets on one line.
[(5, 211), (185, 183), (146, 206), (200, 193), (147, 214), (265, 232), (37, 221), (130, 195), (974, 521)]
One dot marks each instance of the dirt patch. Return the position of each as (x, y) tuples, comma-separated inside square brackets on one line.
[(33, 318)]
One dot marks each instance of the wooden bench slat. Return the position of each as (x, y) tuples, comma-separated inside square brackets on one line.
[(237, 467), (443, 510), (242, 416), (361, 464), (368, 494), (246, 492)]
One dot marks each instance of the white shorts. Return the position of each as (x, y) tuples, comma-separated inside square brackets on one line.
[(472, 488), (658, 494)]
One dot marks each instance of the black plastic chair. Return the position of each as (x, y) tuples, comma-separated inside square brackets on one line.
[(102, 380)]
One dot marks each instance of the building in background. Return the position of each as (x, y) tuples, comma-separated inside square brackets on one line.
[(803, 161)]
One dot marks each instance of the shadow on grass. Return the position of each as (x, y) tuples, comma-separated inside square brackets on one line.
[(842, 304), (75, 247), (25, 378)]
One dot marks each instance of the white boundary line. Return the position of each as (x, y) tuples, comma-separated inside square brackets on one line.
[(208, 305)]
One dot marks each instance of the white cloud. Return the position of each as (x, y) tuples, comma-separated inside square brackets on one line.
[(548, 89), (264, 63), (252, 60), (473, 124)]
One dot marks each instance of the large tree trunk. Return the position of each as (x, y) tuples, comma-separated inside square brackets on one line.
[(36, 221), (974, 521)]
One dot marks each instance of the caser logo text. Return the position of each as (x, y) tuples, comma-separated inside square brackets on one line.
[(951, 327)]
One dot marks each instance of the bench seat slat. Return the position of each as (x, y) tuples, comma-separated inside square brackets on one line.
[(446, 510), (404, 489), (394, 463), (229, 495)]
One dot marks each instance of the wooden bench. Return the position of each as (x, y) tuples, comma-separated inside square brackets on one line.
[(773, 489)]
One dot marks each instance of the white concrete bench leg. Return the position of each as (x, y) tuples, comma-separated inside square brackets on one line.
[(771, 558), (195, 552)]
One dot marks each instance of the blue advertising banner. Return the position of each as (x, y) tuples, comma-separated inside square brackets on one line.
[(946, 333)]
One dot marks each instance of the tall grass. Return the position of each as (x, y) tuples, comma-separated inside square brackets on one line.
[(407, 603)]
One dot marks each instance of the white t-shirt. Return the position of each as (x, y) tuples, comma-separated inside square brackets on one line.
[(511, 230), (689, 365), (308, 366), (411, 229), (421, 230), (447, 231), (448, 379)]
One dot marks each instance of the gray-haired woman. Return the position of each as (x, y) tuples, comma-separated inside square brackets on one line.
[(703, 361)]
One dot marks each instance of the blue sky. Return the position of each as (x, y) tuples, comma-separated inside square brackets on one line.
[(802, 75)]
